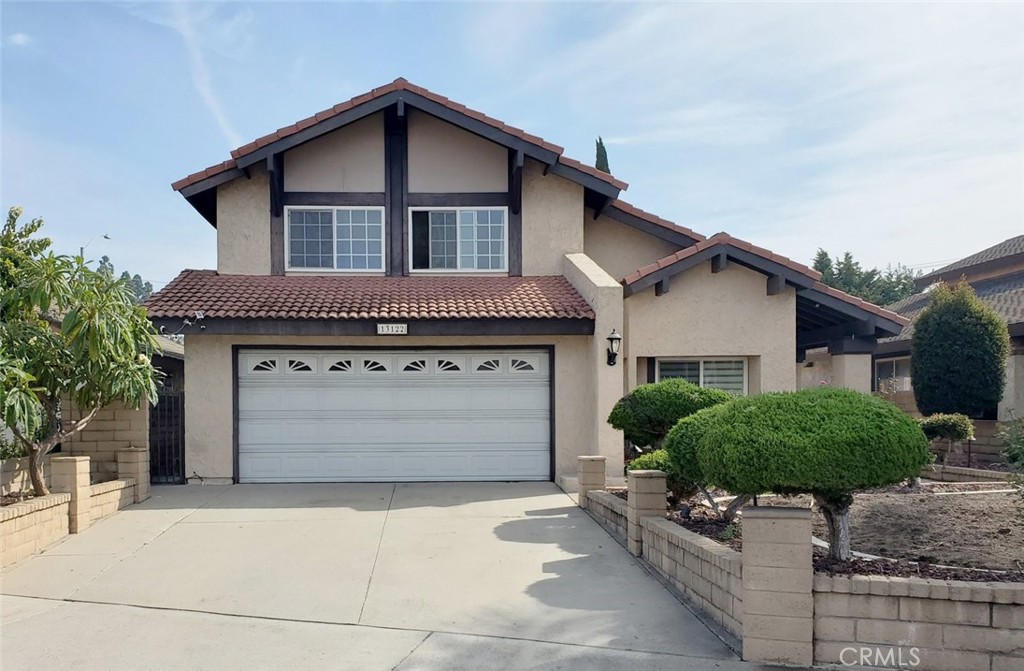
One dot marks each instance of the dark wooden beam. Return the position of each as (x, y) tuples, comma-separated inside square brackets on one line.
[(400, 108), (587, 180), (652, 369), (662, 286), (801, 354), (668, 234), (396, 169), (468, 199), (827, 334), (817, 298), (229, 175), (515, 181), (349, 199), (516, 163), (866, 345), (601, 206), (719, 262), (275, 174), (669, 271), (368, 327), (776, 285)]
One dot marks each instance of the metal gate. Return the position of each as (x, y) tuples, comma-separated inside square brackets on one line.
[(167, 439)]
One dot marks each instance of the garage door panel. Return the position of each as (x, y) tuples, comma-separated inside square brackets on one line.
[(393, 416)]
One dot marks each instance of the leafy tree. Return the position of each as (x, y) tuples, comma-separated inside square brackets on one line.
[(141, 289), (881, 287), (601, 163), (958, 353), (17, 245), (953, 428), (646, 414), (820, 441), (67, 333)]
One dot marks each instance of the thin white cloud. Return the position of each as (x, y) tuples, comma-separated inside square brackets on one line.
[(19, 39), (182, 22)]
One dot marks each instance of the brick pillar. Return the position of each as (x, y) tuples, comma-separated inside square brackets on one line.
[(591, 476), (646, 499), (133, 463), (71, 475), (778, 604)]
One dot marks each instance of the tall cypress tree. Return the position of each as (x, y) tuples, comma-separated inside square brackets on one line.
[(602, 157)]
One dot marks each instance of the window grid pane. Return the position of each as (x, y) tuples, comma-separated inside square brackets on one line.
[(687, 370), (724, 375), (443, 240), (360, 240), (309, 233), (482, 239)]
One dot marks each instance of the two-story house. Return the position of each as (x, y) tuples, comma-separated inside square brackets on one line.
[(408, 289)]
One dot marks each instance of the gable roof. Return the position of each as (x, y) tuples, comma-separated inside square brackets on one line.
[(987, 259), (820, 308), (329, 297), (373, 101), (628, 214)]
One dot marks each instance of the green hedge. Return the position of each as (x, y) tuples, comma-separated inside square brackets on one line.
[(819, 441), (658, 460), (682, 441), (954, 426), (646, 414)]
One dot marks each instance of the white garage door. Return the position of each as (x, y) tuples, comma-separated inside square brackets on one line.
[(339, 415)]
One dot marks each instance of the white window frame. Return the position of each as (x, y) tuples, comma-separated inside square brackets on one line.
[(334, 234), (458, 255), (701, 360), (892, 360)]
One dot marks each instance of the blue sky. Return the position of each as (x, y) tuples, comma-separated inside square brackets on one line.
[(894, 131)]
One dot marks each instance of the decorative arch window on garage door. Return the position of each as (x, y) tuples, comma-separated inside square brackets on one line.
[(264, 366)]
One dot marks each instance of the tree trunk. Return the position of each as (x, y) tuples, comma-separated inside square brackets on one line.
[(730, 512), (35, 471), (837, 516)]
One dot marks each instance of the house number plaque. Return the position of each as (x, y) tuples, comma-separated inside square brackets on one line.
[(392, 329)]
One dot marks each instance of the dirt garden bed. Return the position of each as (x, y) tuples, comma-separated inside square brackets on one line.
[(941, 530)]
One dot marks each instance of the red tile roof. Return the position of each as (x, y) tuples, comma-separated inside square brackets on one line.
[(724, 239), (368, 297), (399, 84), (655, 219)]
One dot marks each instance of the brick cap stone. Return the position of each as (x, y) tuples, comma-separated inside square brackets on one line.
[(133, 449), (69, 460), (646, 474), (591, 458), (774, 512)]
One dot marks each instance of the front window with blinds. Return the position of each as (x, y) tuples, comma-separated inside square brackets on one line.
[(726, 374)]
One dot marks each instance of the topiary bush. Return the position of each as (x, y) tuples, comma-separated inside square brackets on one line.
[(822, 441), (952, 427), (958, 353), (658, 461), (646, 414)]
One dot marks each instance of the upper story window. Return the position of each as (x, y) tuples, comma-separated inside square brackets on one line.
[(459, 239), (339, 238)]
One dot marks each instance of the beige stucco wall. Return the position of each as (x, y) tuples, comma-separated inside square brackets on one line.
[(717, 314), (243, 225), (446, 159), (852, 371), (208, 393), (817, 373), (346, 160), (620, 249), (604, 294), (552, 220)]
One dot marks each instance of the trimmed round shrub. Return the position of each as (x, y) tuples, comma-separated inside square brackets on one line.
[(658, 460), (823, 441), (958, 353), (682, 441), (954, 427), (646, 414)]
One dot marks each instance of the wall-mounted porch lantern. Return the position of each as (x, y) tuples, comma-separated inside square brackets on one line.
[(614, 343)]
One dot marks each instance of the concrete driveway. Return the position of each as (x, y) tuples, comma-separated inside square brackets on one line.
[(358, 576)]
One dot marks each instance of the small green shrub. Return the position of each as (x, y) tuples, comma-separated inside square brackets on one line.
[(681, 445), (658, 461), (1012, 434), (953, 427), (646, 414)]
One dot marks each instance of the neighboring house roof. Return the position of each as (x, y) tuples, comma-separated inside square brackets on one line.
[(1005, 295), (814, 321), (985, 260), (365, 298), (417, 96), (171, 348)]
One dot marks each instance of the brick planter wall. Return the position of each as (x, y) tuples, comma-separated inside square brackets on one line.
[(986, 448), (107, 498), (29, 527), (14, 475), (708, 573), (960, 474), (946, 625), (609, 511)]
